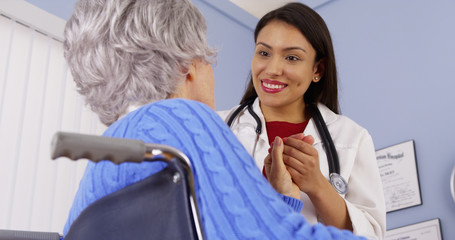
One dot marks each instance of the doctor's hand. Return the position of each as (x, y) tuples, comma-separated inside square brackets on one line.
[(302, 162), (277, 174)]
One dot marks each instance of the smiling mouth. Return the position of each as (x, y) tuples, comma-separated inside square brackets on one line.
[(271, 86)]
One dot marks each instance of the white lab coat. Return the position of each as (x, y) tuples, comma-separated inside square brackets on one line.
[(358, 166)]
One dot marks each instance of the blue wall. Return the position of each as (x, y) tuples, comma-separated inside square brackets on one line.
[(59, 8), (394, 61)]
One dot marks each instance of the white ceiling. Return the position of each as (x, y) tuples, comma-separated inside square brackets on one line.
[(258, 8)]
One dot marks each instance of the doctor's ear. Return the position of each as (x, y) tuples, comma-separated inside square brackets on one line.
[(319, 70)]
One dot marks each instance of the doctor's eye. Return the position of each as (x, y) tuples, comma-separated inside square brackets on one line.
[(263, 53), (292, 58)]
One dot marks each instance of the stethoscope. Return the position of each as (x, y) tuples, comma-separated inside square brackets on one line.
[(337, 181)]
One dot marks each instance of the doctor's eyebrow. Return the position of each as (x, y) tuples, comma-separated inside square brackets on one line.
[(286, 49)]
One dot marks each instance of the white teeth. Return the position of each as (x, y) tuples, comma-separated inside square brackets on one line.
[(272, 86)]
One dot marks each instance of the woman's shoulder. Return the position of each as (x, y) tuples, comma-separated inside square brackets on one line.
[(349, 123), (341, 123)]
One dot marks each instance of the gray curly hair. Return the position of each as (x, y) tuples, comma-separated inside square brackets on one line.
[(132, 52)]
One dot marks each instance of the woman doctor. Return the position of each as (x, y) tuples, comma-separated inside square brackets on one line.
[(293, 69)]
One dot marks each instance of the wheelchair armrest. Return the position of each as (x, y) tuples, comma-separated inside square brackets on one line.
[(77, 146), (28, 235), (96, 148)]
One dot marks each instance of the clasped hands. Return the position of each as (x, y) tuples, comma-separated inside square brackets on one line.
[(292, 165)]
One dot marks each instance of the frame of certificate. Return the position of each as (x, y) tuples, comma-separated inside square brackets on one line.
[(398, 169), (430, 229), (452, 184)]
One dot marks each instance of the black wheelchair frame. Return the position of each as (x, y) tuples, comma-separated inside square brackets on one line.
[(162, 206)]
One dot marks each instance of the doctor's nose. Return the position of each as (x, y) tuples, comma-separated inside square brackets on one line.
[(274, 67)]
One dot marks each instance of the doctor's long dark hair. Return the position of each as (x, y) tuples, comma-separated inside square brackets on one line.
[(313, 27)]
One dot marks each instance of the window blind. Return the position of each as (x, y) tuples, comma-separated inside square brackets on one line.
[(37, 98)]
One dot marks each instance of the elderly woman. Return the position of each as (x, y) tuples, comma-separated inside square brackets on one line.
[(127, 57)]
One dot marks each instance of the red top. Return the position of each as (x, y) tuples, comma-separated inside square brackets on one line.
[(283, 130)]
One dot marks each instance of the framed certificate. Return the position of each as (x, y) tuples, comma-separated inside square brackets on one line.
[(398, 168), (427, 230)]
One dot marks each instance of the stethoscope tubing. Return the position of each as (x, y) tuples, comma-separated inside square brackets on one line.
[(332, 156)]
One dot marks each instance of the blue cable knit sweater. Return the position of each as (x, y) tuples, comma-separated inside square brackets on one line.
[(235, 200)]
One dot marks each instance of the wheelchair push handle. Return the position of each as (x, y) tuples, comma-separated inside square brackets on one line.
[(96, 148)]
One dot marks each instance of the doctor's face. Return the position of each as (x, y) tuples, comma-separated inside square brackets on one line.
[(283, 66)]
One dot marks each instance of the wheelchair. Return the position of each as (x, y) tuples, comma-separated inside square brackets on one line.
[(162, 206)]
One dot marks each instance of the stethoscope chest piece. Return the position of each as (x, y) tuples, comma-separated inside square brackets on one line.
[(338, 182)]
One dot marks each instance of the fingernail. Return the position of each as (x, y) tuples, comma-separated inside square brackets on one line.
[(277, 141)]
